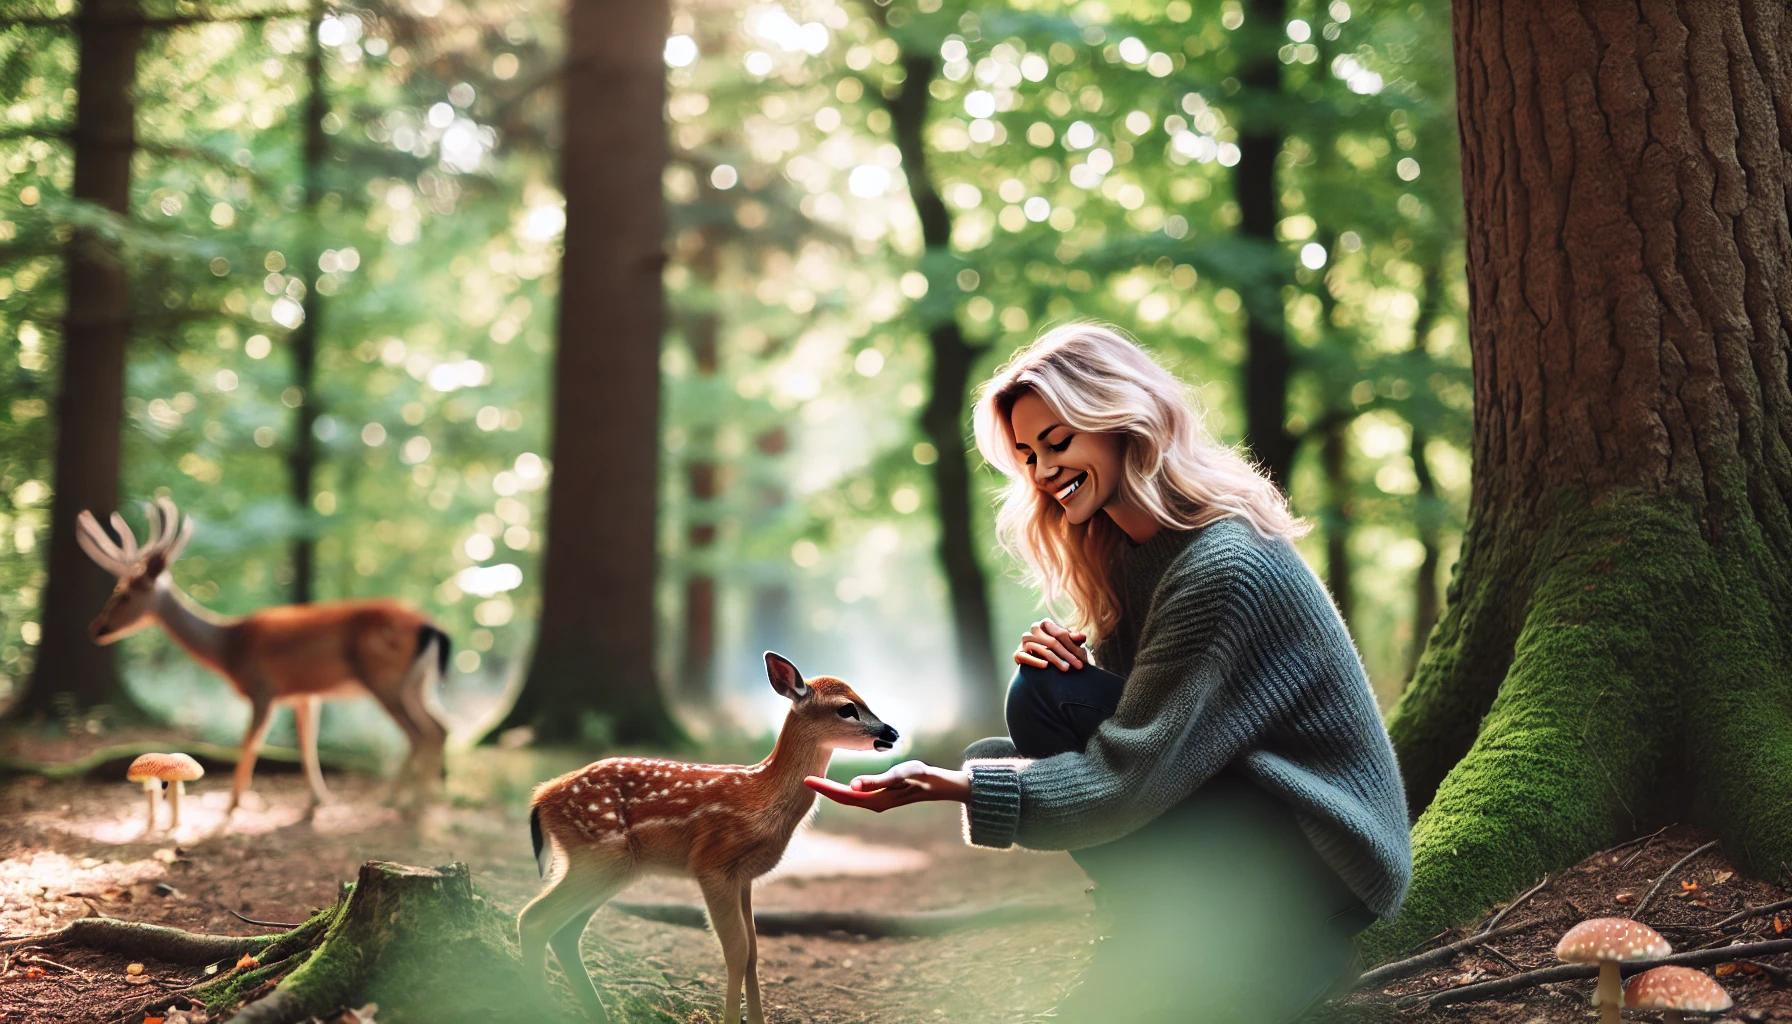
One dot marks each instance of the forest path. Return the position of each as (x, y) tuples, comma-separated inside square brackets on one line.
[(67, 845)]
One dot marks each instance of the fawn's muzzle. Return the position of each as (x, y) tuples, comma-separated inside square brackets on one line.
[(885, 739)]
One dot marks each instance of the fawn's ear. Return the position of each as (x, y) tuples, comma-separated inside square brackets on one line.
[(785, 677)]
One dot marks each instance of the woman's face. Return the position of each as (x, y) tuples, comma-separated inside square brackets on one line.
[(1081, 470)]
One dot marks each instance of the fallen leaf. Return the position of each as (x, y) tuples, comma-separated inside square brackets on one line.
[(247, 961), (1725, 970), (137, 979), (1688, 886), (154, 1020), (1748, 968), (1626, 897), (1722, 876), (211, 968), (1779, 926), (34, 972), (134, 969)]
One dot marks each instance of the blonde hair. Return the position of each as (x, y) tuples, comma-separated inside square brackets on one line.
[(1096, 380)]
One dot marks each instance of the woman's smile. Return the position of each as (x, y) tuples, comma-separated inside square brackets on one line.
[(1067, 491)]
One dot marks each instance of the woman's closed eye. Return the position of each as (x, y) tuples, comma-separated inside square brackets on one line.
[(1060, 447)]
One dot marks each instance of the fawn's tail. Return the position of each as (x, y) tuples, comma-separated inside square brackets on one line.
[(544, 854)]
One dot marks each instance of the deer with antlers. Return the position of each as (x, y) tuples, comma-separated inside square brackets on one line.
[(725, 825), (294, 654)]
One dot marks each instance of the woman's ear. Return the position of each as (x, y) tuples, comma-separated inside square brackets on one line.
[(784, 677)]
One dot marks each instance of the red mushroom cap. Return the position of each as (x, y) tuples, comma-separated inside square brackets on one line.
[(1611, 938), (1676, 988), (165, 767)]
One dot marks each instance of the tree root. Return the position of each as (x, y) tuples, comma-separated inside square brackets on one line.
[(923, 924), (1401, 968), (1573, 972), (154, 942)]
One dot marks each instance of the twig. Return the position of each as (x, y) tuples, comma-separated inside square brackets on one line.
[(265, 924), (1399, 968), (1574, 972), (1638, 839), (39, 958), (1422, 943), (1501, 916), (1646, 840), (1665, 875), (1744, 915), (1501, 957)]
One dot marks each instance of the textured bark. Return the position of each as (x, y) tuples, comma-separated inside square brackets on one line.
[(1429, 508), (594, 655), (1267, 362), (71, 670), (1618, 644), (301, 461), (943, 420)]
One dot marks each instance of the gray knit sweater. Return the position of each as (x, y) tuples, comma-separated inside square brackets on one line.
[(1233, 653)]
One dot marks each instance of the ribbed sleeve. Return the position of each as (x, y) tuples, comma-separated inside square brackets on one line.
[(1242, 659)]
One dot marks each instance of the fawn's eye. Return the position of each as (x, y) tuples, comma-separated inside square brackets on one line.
[(847, 710)]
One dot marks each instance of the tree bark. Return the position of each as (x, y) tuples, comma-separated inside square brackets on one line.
[(1617, 645), (703, 478), (1428, 512), (593, 671), (1267, 363), (943, 419), (72, 673)]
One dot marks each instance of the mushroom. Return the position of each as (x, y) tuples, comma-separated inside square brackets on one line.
[(1675, 990), (153, 770), (1608, 941), (144, 770)]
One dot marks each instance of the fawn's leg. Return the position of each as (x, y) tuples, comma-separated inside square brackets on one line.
[(578, 891), (393, 701), (260, 712), (755, 1015), (431, 735), (722, 894), (305, 714)]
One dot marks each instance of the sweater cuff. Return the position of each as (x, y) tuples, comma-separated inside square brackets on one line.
[(993, 812)]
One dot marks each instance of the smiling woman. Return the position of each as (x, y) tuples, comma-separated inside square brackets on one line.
[(1229, 732)]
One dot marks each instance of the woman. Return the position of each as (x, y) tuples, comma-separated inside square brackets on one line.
[(1223, 775)]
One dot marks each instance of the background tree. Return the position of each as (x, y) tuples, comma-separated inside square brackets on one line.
[(594, 653), (1616, 645)]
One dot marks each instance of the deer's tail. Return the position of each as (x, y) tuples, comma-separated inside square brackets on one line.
[(544, 854)]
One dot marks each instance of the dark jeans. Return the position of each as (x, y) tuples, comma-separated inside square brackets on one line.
[(1222, 909)]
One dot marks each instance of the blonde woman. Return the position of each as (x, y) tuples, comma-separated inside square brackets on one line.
[(1214, 758)]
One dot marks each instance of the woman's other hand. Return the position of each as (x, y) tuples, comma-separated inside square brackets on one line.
[(907, 783), (1048, 643)]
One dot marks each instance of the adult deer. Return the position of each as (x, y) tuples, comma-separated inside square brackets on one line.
[(724, 825), (294, 654)]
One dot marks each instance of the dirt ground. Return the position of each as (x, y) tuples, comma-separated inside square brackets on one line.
[(71, 848)]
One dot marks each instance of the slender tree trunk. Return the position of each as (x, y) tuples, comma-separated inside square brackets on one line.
[(697, 660), (943, 420), (1429, 508), (301, 461), (72, 671), (1267, 363), (1336, 456), (593, 668), (1618, 646)]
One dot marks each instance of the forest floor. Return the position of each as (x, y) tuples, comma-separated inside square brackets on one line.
[(72, 848)]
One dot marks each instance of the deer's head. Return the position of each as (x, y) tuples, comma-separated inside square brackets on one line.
[(828, 709), (133, 602)]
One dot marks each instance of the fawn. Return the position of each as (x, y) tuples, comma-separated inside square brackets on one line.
[(295, 654), (724, 825)]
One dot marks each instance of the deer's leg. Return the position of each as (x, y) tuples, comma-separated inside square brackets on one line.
[(755, 1015), (260, 712), (305, 715), (431, 735), (393, 702), (722, 894), (558, 917)]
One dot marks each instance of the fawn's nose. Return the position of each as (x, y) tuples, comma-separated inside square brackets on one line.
[(886, 739)]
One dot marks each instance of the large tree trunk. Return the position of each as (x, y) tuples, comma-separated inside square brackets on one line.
[(1428, 509), (943, 420), (594, 654), (1267, 363), (1619, 637), (71, 670), (301, 461)]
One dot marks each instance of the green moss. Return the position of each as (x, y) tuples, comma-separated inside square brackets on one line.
[(1566, 759)]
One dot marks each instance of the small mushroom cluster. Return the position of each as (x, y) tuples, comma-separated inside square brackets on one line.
[(154, 772), (1609, 941)]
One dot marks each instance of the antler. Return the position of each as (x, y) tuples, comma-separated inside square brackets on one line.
[(125, 558), (169, 530), (99, 547)]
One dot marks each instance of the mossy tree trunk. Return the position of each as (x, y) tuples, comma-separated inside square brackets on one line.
[(1618, 646)]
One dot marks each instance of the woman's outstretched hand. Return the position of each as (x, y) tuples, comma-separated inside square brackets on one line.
[(1048, 643), (907, 783)]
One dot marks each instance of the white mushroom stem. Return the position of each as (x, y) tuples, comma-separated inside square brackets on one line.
[(1609, 996), (174, 804), (153, 789)]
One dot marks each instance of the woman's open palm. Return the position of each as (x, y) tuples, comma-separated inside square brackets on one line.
[(907, 783)]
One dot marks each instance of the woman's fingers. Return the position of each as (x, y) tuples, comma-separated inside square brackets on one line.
[(1057, 640), (1022, 657), (893, 774), (903, 792)]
